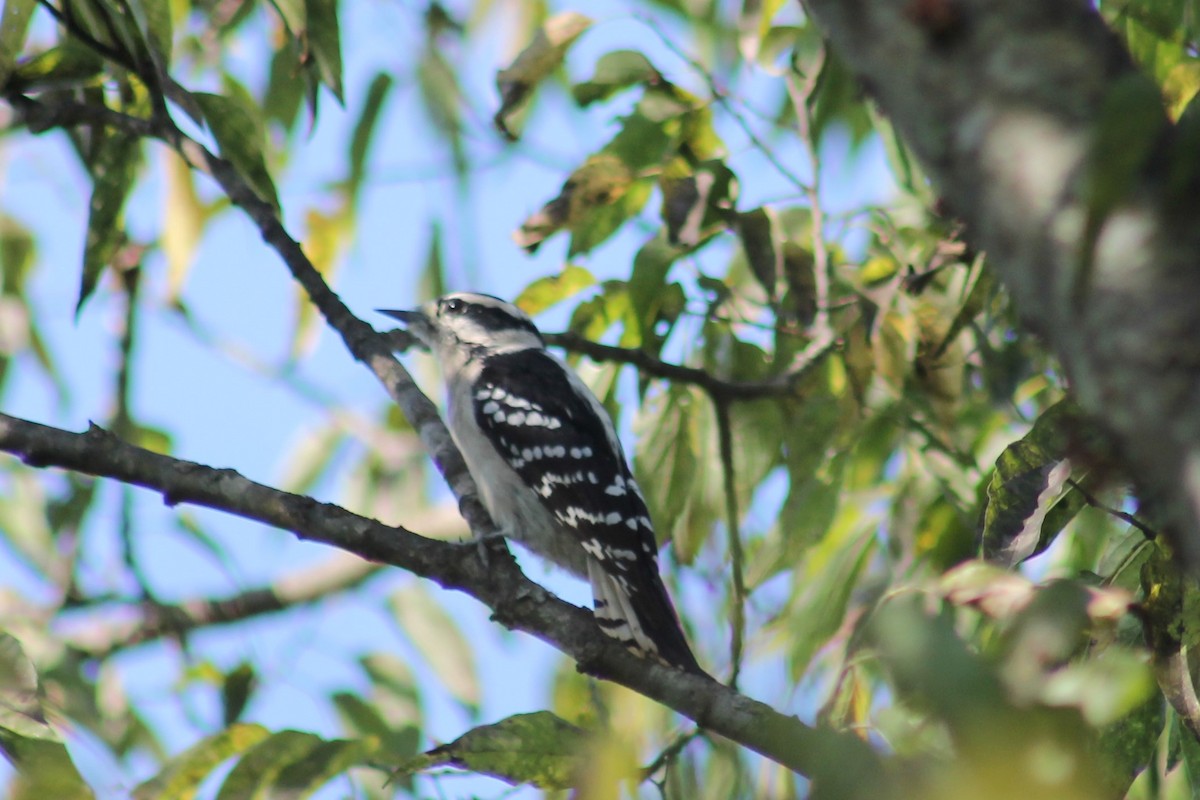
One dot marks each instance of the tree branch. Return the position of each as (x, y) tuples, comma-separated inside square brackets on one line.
[(1002, 103), (515, 601), (784, 385), (100, 637)]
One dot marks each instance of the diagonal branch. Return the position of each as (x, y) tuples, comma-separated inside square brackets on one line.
[(515, 601)]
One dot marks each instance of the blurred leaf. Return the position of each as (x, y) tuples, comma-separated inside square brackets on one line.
[(615, 71), (1104, 689), (71, 63), (647, 283), (312, 457), (589, 204), (154, 21), (442, 98), (182, 775), (667, 461), (294, 14), (113, 170), (238, 685), (320, 765), (397, 740), (763, 248), (322, 36), (20, 703), (541, 57), (14, 27), (44, 769), (699, 204), (538, 748), (395, 692), (553, 289), (184, 217), (433, 276), (824, 583), (237, 124), (437, 637), (325, 240), (257, 770), (364, 132), (1030, 475), (286, 85)]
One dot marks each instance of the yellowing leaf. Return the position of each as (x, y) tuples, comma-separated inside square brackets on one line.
[(517, 81), (183, 774), (546, 292), (183, 222)]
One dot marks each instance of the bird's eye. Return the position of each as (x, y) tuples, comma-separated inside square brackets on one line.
[(454, 305)]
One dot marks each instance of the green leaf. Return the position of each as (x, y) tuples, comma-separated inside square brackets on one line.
[(763, 247), (647, 282), (44, 769), (113, 170), (553, 289), (539, 748), (824, 583), (442, 99), (294, 15), (435, 634), (323, 38), (14, 26), (256, 771), (237, 124), (70, 63), (602, 221), (1030, 475), (667, 460), (154, 21), (182, 775), (319, 766), (541, 57), (286, 86), (615, 71), (364, 131), (394, 689), (236, 689)]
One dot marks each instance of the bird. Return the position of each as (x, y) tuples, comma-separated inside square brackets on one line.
[(549, 466)]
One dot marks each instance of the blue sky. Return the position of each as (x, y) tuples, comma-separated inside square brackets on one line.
[(223, 414)]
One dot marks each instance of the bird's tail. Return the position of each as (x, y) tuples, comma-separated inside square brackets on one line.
[(642, 619)]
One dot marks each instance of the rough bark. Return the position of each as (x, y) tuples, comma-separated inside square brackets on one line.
[(1003, 103)]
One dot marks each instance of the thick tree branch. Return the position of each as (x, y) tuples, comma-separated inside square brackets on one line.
[(1003, 103), (515, 601)]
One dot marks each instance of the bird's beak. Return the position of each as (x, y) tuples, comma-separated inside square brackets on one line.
[(415, 322)]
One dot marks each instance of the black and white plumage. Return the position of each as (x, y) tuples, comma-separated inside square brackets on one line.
[(548, 464)]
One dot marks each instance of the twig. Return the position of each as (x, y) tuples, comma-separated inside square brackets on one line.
[(1092, 501), (784, 385), (155, 621), (670, 752), (821, 329), (736, 557), (722, 100)]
